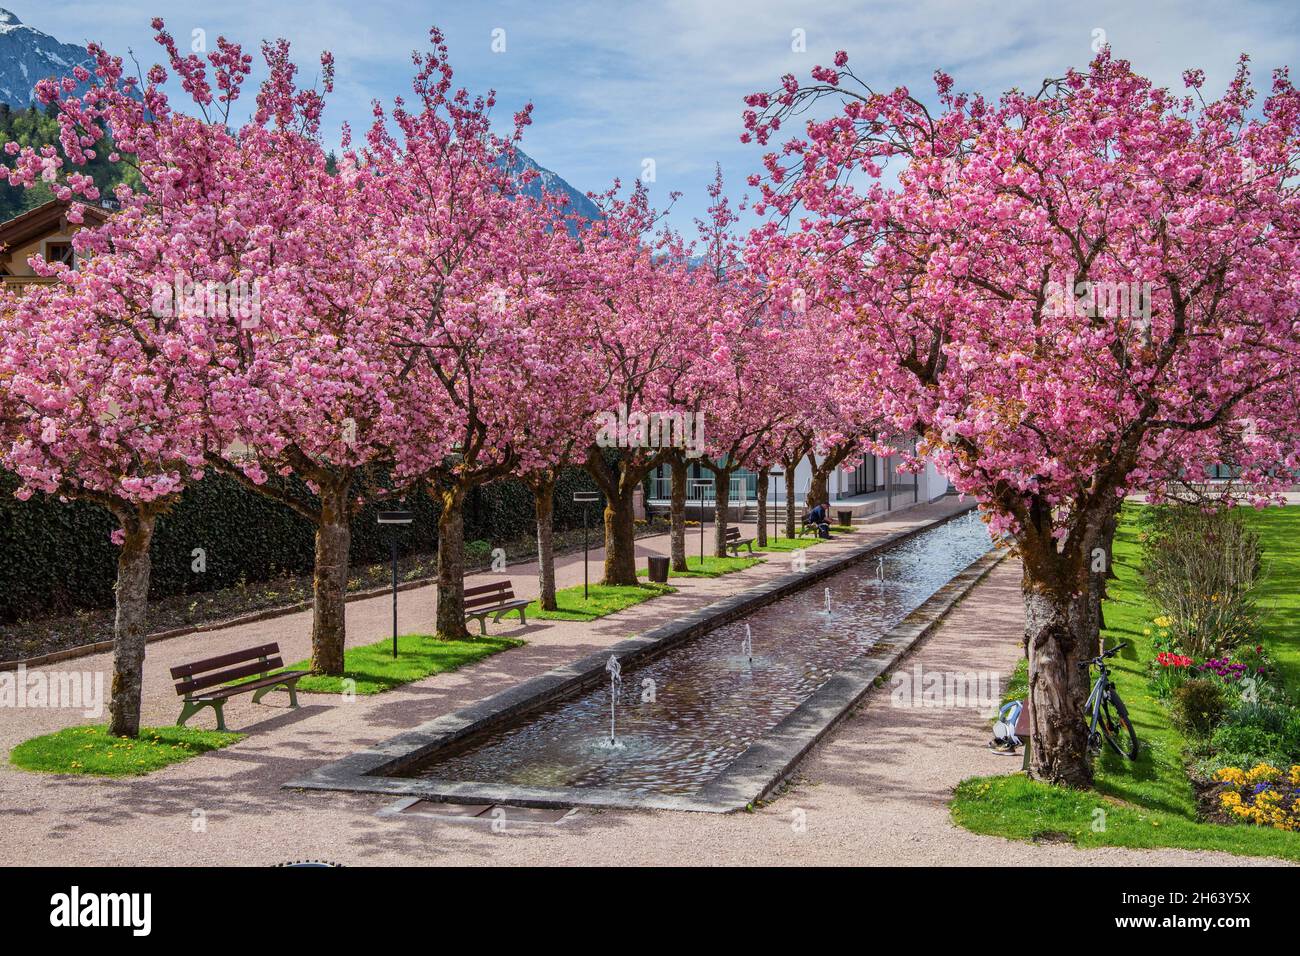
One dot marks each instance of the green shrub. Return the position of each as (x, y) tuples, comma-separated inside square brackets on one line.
[(1263, 716), (477, 550), (1251, 742), (1200, 569), (58, 557), (1197, 707)]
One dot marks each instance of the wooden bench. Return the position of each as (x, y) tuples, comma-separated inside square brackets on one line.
[(735, 542), (193, 680), (497, 598)]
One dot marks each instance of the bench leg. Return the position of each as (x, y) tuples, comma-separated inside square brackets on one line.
[(289, 685), (191, 707), (188, 710), (482, 625)]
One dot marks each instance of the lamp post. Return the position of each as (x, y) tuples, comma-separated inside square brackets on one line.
[(395, 518), (585, 498), (701, 483), (775, 503)]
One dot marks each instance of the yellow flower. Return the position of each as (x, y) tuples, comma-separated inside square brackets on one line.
[(1262, 772), (1231, 775)]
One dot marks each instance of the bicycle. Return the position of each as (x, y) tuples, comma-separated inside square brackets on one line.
[(1107, 712)]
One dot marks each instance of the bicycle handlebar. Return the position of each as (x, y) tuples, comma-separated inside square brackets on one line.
[(1100, 658)]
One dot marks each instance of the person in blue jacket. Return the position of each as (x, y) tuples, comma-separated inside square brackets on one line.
[(818, 519)]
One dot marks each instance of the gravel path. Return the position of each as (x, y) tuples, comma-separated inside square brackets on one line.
[(875, 791)]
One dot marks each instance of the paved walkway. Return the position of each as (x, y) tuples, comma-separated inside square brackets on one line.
[(874, 792)]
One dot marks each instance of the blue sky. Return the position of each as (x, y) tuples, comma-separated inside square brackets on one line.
[(615, 84)]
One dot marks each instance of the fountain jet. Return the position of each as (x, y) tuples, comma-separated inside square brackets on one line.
[(615, 672)]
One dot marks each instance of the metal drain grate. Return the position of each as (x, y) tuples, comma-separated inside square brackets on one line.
[(482, 813)]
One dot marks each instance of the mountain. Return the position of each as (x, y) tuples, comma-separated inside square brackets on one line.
[(552, 183), (27, 56)]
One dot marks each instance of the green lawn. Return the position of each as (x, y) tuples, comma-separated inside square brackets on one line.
[(91, 750), (790, 544), (713, 567), (603, 599), (1148, 803), (375, 670), (1279, 592)]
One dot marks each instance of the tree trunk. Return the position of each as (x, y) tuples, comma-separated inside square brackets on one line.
[(721, 504), (1056, 639), (132, 598), (790, 467), (677, 517), (450, 624), (330, 579), (819, 486), (620, 536), (760, 537), (544, 502)]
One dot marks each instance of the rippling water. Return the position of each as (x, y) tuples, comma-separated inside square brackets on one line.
[(684, 716)]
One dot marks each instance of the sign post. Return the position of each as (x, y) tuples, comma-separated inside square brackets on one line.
[(701, 484), (776, 498), (395, 518)]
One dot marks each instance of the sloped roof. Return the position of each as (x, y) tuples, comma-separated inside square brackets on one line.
[(45, 218)]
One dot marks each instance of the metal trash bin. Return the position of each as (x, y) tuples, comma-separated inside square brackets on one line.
[(658, 570), (845, 517)]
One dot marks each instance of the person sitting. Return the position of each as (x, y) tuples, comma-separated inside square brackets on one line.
[(818, 518)]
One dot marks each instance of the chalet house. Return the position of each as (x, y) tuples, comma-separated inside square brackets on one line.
[(43, 231)]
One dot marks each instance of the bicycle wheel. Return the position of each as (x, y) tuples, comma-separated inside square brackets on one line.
[(1116, 727)]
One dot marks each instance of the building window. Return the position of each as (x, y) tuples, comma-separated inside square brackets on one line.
[(60, 252)]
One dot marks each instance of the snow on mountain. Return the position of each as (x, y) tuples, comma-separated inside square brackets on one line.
[(28, 56), (551, 182)]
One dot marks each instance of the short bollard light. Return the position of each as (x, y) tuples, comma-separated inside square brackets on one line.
[(395, 518)]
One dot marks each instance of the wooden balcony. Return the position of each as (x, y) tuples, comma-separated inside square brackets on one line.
[(19, 282)]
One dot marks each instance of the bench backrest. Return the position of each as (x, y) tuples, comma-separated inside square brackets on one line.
[(227, 667), (485, 595), (733, 534)]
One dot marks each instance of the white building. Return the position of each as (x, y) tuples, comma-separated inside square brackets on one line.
[(873, 487)]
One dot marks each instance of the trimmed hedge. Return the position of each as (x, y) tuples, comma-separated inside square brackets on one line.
[(56, 557)]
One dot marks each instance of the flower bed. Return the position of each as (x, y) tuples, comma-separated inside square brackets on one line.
[(1224, 693), (1263, 795)]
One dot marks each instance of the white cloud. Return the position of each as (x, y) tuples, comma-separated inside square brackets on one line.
[(615, 83)]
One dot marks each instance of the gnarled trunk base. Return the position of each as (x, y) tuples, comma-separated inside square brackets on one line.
[(330, 581), (450, 620), (132, 600), (677, 515), (544, 504), (620, 538), (1057, 641)]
